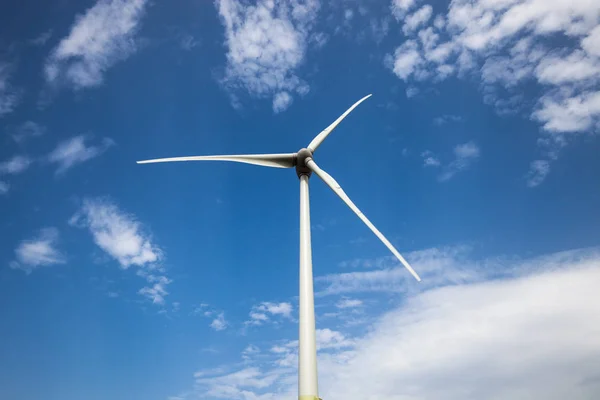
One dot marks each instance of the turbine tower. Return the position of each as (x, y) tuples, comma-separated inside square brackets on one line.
[(305, 165)]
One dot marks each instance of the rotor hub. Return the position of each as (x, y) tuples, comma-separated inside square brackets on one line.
[(300, 161)]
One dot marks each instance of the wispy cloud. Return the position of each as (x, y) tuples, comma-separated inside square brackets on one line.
[(446, 118), (266, 44), (101, 37), (123, 238), (538, 170), (263, 312), (15, 165), (4, 187), (429, 159), (349, 303), (38, 252), (435, 266), (217, 317), (119, 234), (75, 151), (464, 156), (219, 323), (9, 97), (531, 323), (26, 131), (42, 38), (510, 55)]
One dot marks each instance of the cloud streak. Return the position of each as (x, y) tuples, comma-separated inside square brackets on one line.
[(38, 252), (123, 238), (73, 151), (100, 38)]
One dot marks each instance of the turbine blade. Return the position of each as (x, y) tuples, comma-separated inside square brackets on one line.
[(328, 179), (316, 142), (285, 160)]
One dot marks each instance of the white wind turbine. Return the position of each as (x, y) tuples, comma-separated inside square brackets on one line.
[(305, 166)]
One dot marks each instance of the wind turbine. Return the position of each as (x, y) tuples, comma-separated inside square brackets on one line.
[(305, 165)]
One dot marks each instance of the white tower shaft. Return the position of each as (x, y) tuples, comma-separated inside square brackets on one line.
[(307, 345)]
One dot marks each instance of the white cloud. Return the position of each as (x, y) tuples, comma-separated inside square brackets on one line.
[(27, 130), (560, 112), (8, 96), (122, 237), (281, 101), (348, 14), (42, 38), (266, 44), (119, 234), (349, 303), (261, 313), (446, 118), (156, 293), (429, 159), (188, 42), (101, 37), (515, 47), (73, 151), (329, 339), (418, 18), (38, 252), (436, 267), (4, 187), (401, 7), (219, 323), (15, 165), (538, 170), (530, 337), (411, 92), (406, 60), (464, 155), (217, 317), (283, 309), (250, 351), (509, 329)]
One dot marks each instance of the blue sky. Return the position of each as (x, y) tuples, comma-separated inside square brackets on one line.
[(477, 156)]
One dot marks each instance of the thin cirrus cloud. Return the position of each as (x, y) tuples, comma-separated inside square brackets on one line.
[(528, 333), (9, 97), (264, 311), (464, 156), (217, 317), (26, 131), (73, 151), (508, 46), (102, 36), (41, 251), (123, 238), (266, 43), (15, 165)]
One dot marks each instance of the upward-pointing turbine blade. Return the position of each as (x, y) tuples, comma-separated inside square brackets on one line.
[(332, 183), (285, 160), (316, 142)]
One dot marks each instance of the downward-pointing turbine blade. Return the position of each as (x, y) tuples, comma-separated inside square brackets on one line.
[(316, 142), (285, 160), (332, 183)]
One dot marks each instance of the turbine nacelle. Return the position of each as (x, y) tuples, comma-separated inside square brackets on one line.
[(300, 161)]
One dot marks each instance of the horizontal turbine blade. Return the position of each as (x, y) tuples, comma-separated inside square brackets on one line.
[(285, 160), (316, 142), (328, 179)]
